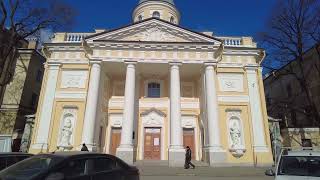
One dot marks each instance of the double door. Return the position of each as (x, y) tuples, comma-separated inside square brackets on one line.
[(152, 144)]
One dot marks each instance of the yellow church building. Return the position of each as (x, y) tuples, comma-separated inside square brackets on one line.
[(147, 90)]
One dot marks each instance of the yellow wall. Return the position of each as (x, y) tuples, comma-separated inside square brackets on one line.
[(55, 125)]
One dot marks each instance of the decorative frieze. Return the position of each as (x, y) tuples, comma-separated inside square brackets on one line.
[(74, 79), (230, 82), (188, 121), (116, 120)]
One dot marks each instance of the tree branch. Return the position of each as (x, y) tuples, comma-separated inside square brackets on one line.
[(4, 15)]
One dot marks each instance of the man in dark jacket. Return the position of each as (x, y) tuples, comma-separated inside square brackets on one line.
[(188, 159), (84, 147)]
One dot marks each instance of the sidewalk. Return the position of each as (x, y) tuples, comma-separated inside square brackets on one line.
[(232, 173)]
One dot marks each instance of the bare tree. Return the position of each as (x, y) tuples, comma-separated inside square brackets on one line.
[(294, 27), (21, 19)]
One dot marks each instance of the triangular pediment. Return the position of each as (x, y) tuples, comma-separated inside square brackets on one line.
[(153, 30)]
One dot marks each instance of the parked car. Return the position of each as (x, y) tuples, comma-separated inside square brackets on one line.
[(71, 166), (297, 165), (8, 159)]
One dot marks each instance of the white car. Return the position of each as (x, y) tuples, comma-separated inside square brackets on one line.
[(297, 165)]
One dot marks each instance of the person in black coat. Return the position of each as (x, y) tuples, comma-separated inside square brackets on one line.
[(188, 159), (84, 147)]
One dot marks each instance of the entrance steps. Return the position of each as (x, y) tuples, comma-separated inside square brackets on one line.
[(153, 163)]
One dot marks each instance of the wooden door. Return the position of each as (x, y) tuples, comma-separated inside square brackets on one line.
[(115, 140), (188, 140), (152, 143)]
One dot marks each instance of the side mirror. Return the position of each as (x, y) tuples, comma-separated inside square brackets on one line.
[(55, 176), (270, 172)]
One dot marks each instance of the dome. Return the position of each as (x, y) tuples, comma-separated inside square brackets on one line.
[(168, 1), (160, 9)]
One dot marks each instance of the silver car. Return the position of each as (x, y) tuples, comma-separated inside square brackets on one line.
[(297, 165)]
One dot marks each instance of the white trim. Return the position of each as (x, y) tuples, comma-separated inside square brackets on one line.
[(235, 98), (259, 140), (47, 107), (71, 95)]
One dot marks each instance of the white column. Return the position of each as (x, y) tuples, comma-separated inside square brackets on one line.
[(90, 116), (176, 151), (214, 150), (256, 111), (47, 107), (125, 150)]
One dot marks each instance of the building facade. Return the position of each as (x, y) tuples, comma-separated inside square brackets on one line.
[(287, 99), (147, 90), (20, 96)]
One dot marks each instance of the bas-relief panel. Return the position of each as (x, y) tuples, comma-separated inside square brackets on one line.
[(231, 82), (74, 79)]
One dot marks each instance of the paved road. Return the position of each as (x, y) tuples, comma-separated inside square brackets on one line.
[(202, 173)]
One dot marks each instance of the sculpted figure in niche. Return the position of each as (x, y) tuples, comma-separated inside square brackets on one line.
[(65, 134), (235, 134)]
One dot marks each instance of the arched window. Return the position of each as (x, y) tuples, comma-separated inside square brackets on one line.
[(154, 90), (156, 14), (172, 19), (140, 18)]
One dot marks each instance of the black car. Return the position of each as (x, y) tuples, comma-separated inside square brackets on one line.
[(71, 166), (8, 159)]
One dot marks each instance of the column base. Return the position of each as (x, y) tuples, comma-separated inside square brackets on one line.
[(126, 154), (176, 157), (216, 156)]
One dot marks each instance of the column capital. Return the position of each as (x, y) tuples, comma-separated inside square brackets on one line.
[(130, 62), (209, 63), (175, 63), (95, 61), (251, 67), (53, 65)]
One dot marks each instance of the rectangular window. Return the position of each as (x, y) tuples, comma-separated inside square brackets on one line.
[(154, 90)]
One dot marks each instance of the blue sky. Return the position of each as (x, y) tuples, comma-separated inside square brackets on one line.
[(223, 17)]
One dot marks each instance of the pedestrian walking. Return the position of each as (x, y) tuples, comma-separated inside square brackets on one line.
[(188, 159), (84, 147)]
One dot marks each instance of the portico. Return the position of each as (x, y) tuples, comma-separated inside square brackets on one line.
[(150, 112)]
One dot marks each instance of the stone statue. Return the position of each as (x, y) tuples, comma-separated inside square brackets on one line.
[(65, 134), (235, 134)]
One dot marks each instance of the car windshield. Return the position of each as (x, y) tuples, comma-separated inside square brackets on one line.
[(29, 168), (299, 166)]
